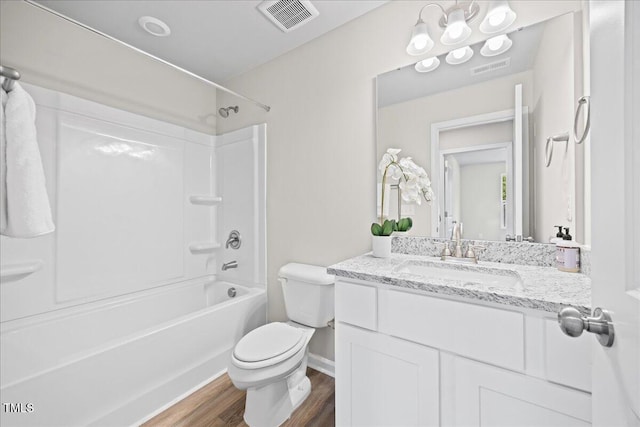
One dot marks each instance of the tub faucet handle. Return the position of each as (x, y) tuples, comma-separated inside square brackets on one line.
[(234, 240)]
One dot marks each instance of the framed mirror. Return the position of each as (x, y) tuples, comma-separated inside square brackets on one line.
[(480, 127)]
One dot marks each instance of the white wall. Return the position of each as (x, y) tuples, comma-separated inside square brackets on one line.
[(321, 133)]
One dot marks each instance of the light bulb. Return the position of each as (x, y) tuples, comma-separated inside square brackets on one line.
[(497, 18), (427, 62), (419, 42), (459, 53), (495, 43), (427, 65), (455, 31)]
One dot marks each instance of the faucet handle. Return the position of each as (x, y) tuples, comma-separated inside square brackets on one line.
[(471, 252), (446, 251)]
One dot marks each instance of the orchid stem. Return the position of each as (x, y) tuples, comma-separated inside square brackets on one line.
[(384, 183)]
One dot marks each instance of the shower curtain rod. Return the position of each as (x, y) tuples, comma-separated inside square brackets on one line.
[(175, 67)]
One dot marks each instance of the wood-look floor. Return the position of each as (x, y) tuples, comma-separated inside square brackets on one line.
[(219, 404)]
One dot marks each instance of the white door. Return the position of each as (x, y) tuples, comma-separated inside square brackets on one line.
[(615, 171)]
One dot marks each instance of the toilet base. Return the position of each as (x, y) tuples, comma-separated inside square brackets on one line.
[(273, 404)]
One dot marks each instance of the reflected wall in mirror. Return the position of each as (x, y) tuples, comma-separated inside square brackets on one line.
[(482, 126)]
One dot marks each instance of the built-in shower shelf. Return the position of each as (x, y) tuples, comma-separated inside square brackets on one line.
[(13, 271), (205, 200), (203, 247)]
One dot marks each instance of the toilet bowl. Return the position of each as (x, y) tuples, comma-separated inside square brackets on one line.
[(270, 362)]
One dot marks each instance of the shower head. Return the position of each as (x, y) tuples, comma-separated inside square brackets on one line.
[(224, 112)]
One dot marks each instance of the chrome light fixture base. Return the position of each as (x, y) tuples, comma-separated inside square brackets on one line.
[(469, 13)]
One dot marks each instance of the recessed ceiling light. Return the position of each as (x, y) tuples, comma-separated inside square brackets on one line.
[(154, 26)]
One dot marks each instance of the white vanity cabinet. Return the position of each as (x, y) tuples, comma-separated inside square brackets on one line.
[(407, 358)]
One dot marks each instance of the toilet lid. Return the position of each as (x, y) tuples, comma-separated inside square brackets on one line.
[(268, 342)]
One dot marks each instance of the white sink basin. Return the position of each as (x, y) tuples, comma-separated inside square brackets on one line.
[(468, 275)]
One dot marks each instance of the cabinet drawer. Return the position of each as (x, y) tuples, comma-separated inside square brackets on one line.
[(357, 305), (482, 333)]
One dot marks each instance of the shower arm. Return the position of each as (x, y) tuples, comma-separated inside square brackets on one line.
[(175, 67)]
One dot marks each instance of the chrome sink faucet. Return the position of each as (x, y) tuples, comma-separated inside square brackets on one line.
[(458, 255), (456, 236)]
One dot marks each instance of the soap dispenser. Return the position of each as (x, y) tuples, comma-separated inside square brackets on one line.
[(567, 254), (559, 235)]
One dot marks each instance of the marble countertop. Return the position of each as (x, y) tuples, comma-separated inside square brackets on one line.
[(539, 288)]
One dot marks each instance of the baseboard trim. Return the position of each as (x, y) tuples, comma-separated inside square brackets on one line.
[(322, 364)]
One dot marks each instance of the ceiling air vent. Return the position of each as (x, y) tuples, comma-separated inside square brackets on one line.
[(493, 66), (288, 14)]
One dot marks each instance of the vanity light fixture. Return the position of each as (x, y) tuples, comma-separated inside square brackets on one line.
[(455, 23), (496, 45), (499, 17), (427, 65), (459, 56), (154, 26)]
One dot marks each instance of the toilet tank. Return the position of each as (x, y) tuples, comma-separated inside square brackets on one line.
[(308, 294)]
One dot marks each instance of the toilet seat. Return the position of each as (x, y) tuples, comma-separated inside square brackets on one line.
[(268, 345)]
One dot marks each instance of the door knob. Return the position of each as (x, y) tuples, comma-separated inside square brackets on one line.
[(572, 323)]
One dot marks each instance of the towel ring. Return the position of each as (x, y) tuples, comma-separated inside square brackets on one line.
[(548, 149), (584, 100)]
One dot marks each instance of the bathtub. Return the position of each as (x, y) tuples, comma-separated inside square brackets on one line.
[(119, 363)]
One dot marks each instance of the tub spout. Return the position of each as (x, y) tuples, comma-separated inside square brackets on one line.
[(231, 264)]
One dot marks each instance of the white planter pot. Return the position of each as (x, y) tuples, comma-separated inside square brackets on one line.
[(381, 246)]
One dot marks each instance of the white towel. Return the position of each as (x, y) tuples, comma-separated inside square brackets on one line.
[(27, 204)]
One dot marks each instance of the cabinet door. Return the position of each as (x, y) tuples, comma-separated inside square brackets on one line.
[(384, 381), (475, 394)]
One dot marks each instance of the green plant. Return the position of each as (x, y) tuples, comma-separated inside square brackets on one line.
[(387, 227), (404, 224)]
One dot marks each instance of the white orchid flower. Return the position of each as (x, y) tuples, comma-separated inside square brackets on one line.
[(414, 182), (410, 191), (391, 156), (395, 171), (394, 153)]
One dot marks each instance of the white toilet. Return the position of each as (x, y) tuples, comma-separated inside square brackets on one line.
[(270, 362)]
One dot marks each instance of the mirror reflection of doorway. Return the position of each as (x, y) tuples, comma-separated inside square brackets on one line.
[(476, 190)]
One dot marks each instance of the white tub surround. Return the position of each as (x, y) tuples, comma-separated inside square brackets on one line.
[(423, 342), (118, 313)]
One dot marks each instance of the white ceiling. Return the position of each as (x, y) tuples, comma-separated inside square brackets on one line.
[(216, 39)]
